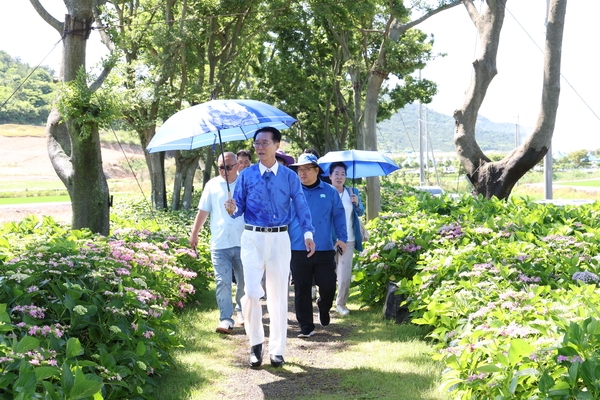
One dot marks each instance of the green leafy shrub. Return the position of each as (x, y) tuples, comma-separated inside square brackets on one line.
[(507, 288), (83, 316)]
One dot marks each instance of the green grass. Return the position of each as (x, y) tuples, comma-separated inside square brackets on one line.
[(29, 200), (366, 357), (586, 183)]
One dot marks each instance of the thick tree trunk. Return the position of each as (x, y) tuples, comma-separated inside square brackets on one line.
[(498, 178), (209, 161), (371, 104), (156, 167), (185, 168), (188, 185), (77, 159)]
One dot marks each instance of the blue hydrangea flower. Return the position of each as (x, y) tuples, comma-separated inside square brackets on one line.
[(585, 277)]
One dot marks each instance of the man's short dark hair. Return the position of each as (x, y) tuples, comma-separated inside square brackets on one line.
[(244, 153), (336, 164), (275, 134)]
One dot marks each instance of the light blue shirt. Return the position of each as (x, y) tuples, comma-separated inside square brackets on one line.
[(328, 215), (264, 198), (225, 232)]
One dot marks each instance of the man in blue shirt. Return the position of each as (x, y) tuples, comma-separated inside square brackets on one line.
[(329, 219), (264, 194)]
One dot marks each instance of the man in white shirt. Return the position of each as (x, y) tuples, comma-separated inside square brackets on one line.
[(225, 235)]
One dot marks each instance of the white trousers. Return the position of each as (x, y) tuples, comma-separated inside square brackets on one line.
[(269, 254), (344, 274)]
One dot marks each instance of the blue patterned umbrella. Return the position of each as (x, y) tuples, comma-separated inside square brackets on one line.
[(360, 163), (216, 121)]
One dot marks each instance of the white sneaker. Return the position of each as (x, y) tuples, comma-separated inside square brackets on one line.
[(313, 292), (306, 335), (342, 310), (240, 318), (225, 327)]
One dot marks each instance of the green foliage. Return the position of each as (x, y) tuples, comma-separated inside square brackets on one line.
[(87, 316), (87, 108), (32, 102), (508, 289)]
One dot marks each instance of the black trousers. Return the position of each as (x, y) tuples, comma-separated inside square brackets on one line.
[(320, 267)]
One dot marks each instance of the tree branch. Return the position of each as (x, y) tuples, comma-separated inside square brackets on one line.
[(53, 22)]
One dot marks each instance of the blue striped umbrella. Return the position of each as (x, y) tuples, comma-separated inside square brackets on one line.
[(216, 121), (360, 163)]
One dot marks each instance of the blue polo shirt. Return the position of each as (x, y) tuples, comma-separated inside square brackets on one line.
[(328, 217), (266, 198)]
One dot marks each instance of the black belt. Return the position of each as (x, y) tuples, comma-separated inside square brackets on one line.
[(266, 228)]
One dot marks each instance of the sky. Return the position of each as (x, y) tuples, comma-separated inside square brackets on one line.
[(514, 95)]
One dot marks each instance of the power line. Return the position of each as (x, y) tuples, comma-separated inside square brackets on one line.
[(29, 75), (561, 74)]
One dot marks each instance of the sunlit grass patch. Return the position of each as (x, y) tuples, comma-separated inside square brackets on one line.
[(14, 130)]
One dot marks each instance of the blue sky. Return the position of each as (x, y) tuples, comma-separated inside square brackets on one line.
[(514, 95)]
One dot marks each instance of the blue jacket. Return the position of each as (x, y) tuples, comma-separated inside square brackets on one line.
[(327, 213), (359, 210)]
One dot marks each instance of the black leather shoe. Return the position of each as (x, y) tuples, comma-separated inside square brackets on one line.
[(277, 361), (324, 318), (256, 354)]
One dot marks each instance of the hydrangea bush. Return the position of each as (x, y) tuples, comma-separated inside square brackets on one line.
[(86, 316), (509, 289)]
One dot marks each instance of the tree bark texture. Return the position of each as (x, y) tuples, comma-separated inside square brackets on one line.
[(158, 191), (185, 168), (498, 178), (77, 159)]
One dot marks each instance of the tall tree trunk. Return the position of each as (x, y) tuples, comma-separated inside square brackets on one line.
[(77, 158), (208, 166), (498, 178), (188, 183), (186, 163), (156, 167)]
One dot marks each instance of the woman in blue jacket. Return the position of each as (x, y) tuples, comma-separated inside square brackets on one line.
[(354, 209)]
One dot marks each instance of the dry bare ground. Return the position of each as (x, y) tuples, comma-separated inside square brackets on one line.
[(26, 159)]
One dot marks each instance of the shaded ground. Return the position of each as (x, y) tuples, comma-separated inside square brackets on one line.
[(309, 362)]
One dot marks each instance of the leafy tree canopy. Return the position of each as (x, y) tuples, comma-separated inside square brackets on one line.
[(32, 102)]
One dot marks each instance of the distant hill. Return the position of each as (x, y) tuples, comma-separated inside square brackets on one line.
[(400, 132)]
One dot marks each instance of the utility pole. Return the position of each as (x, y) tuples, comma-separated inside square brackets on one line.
[(422, 159), (517, 133), (548, 156)]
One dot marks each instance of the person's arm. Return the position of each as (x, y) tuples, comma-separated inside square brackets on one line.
[(358, 205), (201, 217), (338, 215), (236, 205), (301, 206)]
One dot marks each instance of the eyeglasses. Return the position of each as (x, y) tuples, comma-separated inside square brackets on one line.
[(304, 170), (228, 167), (261, 144)]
